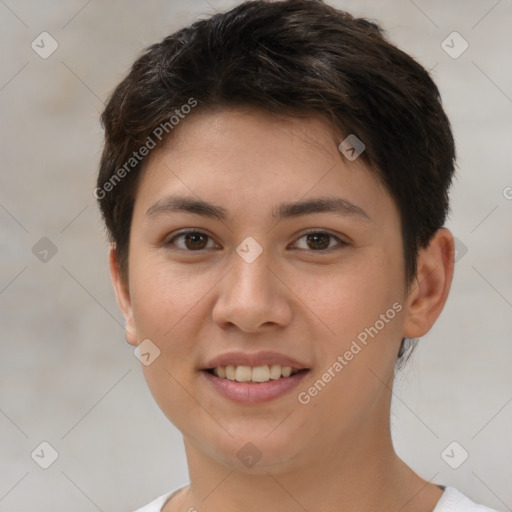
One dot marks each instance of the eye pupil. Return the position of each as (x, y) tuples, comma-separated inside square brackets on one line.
[(313, 237), (194, 237)]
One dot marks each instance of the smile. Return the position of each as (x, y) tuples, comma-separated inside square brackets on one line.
[(254, 374)]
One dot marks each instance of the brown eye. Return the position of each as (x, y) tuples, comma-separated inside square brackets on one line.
[(320, 241), (191, 241)]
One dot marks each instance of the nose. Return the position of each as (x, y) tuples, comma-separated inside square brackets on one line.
[(252, 297)]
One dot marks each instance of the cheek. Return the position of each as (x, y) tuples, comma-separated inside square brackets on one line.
[(349, 298), (167, 309), (164, 296), (360, 307)]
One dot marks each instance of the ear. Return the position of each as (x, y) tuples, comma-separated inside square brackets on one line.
[(428, 294), (123, 297)]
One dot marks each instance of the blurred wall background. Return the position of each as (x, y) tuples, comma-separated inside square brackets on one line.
[(68, 378)]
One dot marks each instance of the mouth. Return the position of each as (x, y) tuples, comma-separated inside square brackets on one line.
[(251, 385), (253, 377), (255, 374)]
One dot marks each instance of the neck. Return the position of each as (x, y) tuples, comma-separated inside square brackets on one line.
[(360, 473)]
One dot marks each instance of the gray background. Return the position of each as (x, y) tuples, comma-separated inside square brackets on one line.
[(67, 376)]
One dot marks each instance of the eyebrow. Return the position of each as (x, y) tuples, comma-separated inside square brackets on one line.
[(329, 204)]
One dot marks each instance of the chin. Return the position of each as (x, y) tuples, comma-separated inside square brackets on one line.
[(256, 450)]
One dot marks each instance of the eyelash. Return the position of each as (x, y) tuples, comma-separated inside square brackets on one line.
[(341, 243)]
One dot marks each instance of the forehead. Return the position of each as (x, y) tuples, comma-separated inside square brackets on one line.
[(255, 160)]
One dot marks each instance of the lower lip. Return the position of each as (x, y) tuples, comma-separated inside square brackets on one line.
[(253, 393)]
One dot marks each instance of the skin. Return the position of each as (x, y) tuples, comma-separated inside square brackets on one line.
[(294, 298)]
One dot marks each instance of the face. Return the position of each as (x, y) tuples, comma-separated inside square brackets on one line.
[(270, 275)]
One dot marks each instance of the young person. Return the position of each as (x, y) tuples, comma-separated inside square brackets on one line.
[(275, 182)]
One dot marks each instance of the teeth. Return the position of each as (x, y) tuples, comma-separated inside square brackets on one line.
[(260, 374), (275, 371), (230, 372), (286, 371), (253, 374), (243, 373)]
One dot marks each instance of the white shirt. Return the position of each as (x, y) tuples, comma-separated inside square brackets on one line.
[(451, 501)]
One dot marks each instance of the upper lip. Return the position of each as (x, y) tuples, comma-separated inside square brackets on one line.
[(254, 359)]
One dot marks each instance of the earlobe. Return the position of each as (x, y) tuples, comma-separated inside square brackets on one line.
[(123, 297), (429, 292)]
